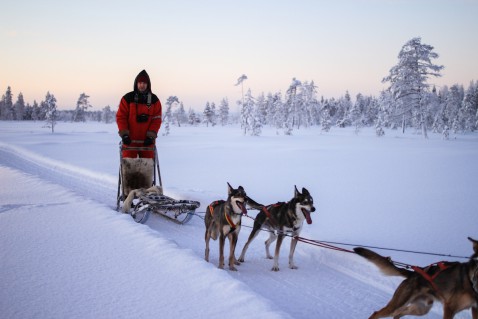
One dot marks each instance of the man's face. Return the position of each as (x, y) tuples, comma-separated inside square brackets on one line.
[(142, 86)]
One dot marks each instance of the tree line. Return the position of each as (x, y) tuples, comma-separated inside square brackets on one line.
[(409, 102)]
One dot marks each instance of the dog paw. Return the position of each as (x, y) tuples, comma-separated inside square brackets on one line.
[(232, 268), (275, 268)]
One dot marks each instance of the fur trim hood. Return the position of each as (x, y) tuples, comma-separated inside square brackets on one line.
[(148, 81)]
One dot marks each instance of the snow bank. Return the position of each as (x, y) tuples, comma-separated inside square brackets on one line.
[(64, 256)]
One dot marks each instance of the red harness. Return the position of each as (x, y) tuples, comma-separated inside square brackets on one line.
[(228, 218), (269, 215), (430, 272)]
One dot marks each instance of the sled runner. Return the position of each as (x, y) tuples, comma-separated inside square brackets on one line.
[(140, 189)]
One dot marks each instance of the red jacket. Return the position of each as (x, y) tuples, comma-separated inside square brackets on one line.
[(135, 103)]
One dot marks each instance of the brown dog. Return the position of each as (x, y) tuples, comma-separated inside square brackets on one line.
[(454, 284), (223, 218)]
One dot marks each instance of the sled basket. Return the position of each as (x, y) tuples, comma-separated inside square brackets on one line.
[(139, 173)]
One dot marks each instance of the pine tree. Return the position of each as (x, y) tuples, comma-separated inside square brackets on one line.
[(107, 114), (208, 114), (408, 81), (192, 117), (294, 105), (247, 112), (344, 106), (7, 105), (180, 114), (36, 111), (51, 112), (326, 122), (256, 125), (19, 108), (470, 107), (224, 111), (82, 106), (260, 111)]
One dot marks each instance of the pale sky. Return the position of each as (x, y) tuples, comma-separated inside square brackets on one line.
[(196, 49)]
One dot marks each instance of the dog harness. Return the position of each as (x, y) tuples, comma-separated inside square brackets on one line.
[(228, 218), (428, 274), (268, 213)]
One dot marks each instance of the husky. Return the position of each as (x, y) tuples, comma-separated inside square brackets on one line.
[(279, 219), (454, 284), (223, 219)]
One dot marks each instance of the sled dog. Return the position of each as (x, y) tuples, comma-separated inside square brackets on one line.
[(223, 219), (454, 284), (279, 219), (136, 193)]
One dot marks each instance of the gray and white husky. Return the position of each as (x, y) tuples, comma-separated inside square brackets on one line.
[(281, 219)]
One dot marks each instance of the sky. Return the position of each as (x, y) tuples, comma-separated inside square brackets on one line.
[(196, 50)]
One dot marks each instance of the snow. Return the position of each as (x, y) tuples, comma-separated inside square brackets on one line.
[(66, 253)]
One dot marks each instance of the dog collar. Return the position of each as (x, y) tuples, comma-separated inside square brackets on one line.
[(229, 221)]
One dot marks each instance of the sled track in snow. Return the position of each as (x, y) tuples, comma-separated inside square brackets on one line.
[(325, 291), (80, 183)]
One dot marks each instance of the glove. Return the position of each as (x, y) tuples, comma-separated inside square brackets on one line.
[(126, 139), (148, 141)]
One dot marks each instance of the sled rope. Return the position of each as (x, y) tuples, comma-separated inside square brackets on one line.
[(332, 245)]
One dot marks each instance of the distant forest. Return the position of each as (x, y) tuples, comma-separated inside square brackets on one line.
[(409, 102)]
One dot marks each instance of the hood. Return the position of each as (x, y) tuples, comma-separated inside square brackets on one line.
[(142, 73)]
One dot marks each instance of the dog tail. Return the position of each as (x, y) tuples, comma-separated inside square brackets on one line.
[(385, 264)]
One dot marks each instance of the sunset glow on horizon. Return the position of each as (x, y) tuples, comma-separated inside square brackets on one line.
[(196, 50)]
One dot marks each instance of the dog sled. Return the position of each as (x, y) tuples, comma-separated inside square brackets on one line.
[(140, 189)]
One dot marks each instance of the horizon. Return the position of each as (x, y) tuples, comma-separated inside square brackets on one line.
[(197, 51)]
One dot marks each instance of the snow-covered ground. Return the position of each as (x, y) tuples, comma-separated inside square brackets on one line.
[(66, 253)]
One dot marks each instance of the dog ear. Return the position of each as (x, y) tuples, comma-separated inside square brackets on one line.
[(229, 188), (305, 191), (475, 244), (296, 191)]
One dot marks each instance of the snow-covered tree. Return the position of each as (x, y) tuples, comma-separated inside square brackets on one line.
[(192, 117), (469, 108), (409, 81), (208, 114), (277, 113), (224, 112), (344, 105), (107, 114), (180, 115), (51, 112), (6, 110), (256, 123), (326, 123), (260, 113), (294, 104), (19, 108), (247, 112), (82, 106)]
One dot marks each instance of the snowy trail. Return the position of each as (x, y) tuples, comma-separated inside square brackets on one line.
[(85, 183), (320, 288)]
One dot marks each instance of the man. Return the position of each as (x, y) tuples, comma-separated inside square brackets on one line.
[(139, 118)]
